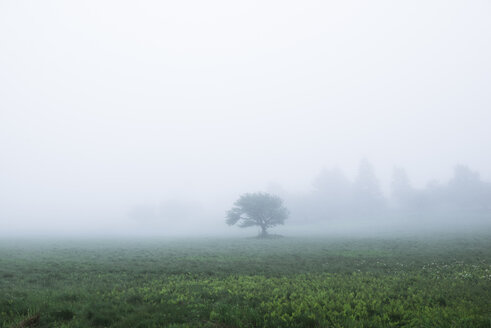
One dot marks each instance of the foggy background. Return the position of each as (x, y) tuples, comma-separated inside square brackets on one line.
[(148, 117)]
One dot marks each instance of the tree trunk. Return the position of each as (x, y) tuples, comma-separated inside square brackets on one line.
[(263, 233)]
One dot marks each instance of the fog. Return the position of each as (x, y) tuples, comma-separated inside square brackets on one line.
[(149, 117)]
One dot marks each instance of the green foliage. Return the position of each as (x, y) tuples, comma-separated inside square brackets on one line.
[(248, 283)]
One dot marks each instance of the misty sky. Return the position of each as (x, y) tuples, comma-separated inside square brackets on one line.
[(104, 104)]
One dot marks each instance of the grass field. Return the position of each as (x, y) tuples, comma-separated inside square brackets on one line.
[(442, 281)]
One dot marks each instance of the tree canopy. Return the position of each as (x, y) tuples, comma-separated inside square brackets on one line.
[(258, 209)]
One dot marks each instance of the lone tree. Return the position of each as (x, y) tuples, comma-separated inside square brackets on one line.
[(258, 209)]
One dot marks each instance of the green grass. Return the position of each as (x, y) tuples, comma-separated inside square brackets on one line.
[(287, 282)]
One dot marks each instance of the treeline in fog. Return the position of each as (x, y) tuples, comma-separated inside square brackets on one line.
[(465, 196), (335, 198)]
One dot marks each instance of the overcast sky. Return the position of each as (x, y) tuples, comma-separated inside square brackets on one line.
[(109, 103)]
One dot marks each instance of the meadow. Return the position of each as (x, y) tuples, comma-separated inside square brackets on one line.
[(431, 281)]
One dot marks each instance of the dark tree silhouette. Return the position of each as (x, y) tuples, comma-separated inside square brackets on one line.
[(258, 209)]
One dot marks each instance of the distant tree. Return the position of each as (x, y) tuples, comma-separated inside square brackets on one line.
[(367, 193), (402, 192), (179, 210), (332, 194), (400, 182), (332, 183), (466, 190), (258, 209), (142, 212)]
